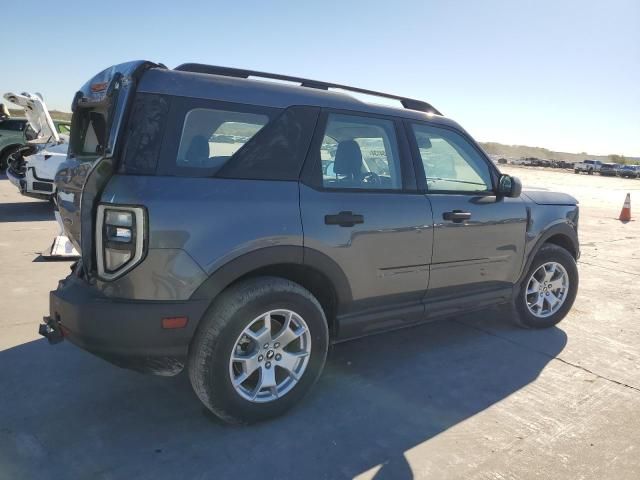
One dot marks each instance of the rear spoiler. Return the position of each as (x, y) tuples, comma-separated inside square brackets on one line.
[(114, 84), (98, 89)]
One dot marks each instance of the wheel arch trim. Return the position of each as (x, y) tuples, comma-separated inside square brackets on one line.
[(271, 257), (564, 230), (8, 147)]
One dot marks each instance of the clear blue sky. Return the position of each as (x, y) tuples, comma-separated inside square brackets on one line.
[(561, 74)]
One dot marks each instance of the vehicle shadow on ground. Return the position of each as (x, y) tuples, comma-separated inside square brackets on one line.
[(36, 211), (66, 414)]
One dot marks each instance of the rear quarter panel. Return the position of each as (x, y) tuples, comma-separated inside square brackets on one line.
[(197, 225)]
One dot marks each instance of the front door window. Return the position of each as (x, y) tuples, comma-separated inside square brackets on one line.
[(450, 163)]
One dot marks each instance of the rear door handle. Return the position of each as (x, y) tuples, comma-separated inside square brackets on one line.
[(456, 216), (344, 219)]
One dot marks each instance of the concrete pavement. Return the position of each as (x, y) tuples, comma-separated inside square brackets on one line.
[(469, 397)]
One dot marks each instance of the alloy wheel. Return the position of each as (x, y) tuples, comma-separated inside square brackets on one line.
[(547, 289), (270, 356)]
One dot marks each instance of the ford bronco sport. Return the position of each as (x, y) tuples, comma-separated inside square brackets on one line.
[(237, 227)]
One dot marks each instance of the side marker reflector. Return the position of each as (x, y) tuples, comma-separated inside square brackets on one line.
[(174, 322)]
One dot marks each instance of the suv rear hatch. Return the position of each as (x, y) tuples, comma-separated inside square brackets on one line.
[(100, 110)]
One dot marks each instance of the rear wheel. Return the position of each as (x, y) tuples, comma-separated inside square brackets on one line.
[(549, 288), (259, 350)]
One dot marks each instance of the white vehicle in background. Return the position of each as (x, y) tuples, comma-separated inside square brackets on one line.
[(588, 166), (32, 168)]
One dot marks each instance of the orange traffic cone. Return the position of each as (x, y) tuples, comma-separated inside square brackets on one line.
[(625, 213)]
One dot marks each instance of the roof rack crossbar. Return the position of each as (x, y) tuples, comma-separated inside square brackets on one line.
[(408, 103)]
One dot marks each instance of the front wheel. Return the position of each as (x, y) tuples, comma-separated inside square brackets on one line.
[(549, 288), (4, 157), (259, 350)]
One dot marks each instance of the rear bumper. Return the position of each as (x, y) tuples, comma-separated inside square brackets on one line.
[(127, 333)]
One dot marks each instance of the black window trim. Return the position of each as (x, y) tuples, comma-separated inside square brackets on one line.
[(257, 137), (313, 165), (419, 167)]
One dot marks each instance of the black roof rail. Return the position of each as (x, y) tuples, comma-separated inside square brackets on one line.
[(408, 103)]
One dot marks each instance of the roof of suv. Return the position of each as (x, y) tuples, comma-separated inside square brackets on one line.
[(266, 93)]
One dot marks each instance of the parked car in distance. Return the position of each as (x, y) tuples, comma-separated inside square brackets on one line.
[(564, 164), (588, 166), (324, 219), (16, 133), (629, 171), (532, 162), (32, 167), (609, 169)]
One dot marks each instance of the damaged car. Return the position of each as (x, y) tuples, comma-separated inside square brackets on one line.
[(235, 227), (32, 165)]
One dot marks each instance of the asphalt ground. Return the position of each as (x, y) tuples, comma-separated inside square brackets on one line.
[(467, 397)]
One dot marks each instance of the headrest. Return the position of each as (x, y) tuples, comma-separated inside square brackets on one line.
[(348, 159), (198, 150)]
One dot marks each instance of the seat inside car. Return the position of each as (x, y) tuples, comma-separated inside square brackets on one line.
[(348, 162), (198, 151)]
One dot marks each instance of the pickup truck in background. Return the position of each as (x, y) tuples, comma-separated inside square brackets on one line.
[(588, 166)]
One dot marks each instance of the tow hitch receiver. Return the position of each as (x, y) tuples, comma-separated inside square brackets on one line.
[(50, 330)]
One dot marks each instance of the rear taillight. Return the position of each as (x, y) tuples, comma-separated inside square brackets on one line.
[(120, 239)]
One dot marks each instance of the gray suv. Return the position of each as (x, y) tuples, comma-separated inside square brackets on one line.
[(238, 227)]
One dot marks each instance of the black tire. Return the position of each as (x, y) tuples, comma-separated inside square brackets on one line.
[(547, 253), (5, 155), (590, 172), (576, 171), (218, 331)]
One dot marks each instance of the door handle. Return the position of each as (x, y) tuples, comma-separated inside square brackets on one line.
[(456, 216), (344, 219)]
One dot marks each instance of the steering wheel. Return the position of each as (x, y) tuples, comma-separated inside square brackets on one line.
[(371, 178)]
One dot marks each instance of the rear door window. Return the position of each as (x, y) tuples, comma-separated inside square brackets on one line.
[(360, 153)]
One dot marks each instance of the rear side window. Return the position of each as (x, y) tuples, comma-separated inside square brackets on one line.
[(210, 137), (144, 133)]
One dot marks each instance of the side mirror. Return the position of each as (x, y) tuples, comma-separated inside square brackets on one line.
[(509, 186)]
